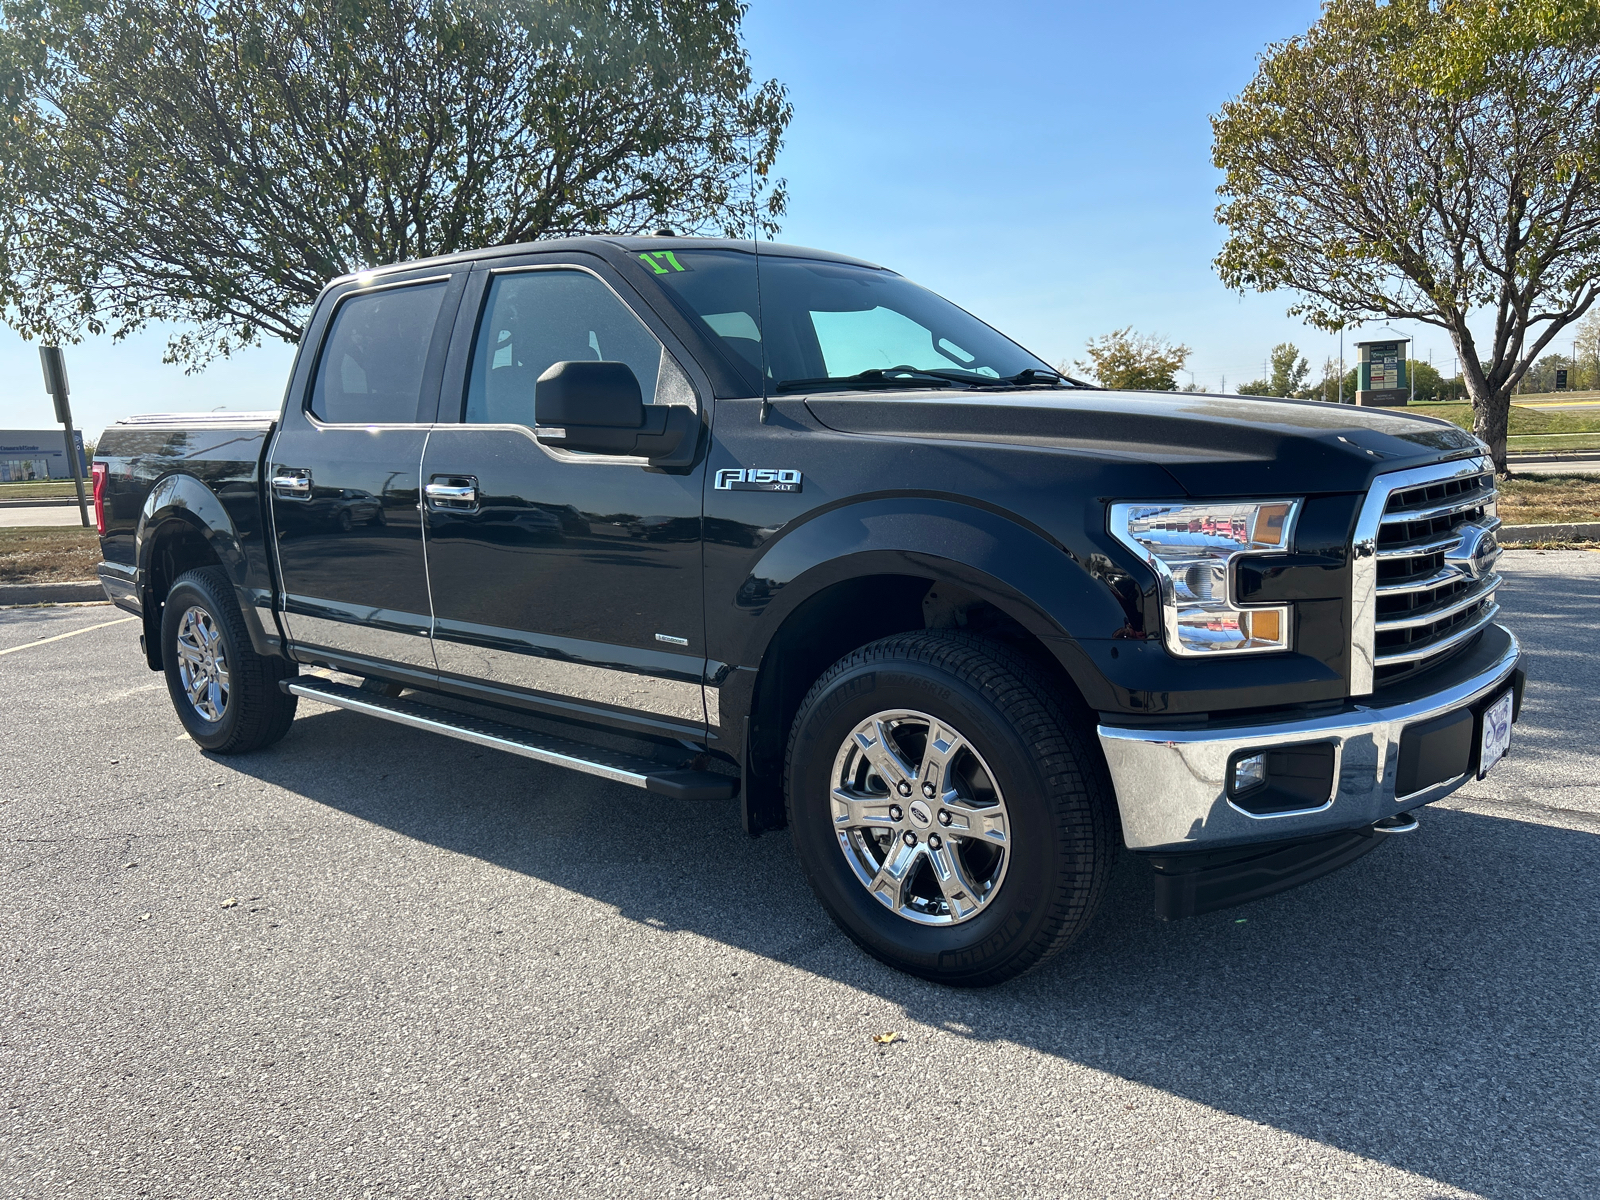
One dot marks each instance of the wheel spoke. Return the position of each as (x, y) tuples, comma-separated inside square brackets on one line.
[(943, 745), (889, 884), (968, 820), (216, 699), (853, 811), (960, 893), (189, 653), (873, 742)]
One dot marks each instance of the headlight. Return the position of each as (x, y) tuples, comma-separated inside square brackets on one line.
[(1193, 548)]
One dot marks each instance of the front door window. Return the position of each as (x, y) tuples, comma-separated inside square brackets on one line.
[(534, 319)]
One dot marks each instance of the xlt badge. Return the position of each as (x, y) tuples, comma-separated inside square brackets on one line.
[(757, 479)]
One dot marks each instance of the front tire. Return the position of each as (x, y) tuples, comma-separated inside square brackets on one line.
[(226, 695), (945, 810)]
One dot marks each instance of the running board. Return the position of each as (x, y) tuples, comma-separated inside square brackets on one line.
[(558, 751)]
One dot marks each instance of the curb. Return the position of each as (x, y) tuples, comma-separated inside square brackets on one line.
[(51, 593), (1581, 532), (44, 502)]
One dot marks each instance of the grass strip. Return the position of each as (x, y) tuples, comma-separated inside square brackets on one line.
[(48, 555), (39, 489), (1549, 499), (1523, 420)]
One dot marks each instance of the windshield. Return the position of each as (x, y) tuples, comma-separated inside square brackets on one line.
[(820, 324)]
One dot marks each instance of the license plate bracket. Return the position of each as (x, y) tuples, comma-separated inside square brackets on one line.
[(1494, 731)]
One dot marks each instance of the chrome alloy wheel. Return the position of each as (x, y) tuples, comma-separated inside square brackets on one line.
[(202, 666), (919, 818)]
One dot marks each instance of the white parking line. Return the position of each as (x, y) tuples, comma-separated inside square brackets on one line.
[(74, 633)]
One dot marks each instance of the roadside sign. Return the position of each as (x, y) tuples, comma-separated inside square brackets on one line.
[(55, 383)]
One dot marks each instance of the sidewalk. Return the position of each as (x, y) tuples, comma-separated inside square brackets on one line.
[(37, 515)]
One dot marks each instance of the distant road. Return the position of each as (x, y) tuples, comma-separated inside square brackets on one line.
[(1554, 464)]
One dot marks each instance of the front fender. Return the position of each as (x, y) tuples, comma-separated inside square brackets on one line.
[(183, 498), (1040, 583)]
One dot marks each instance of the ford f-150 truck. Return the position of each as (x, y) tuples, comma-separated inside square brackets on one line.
[(718, 519)]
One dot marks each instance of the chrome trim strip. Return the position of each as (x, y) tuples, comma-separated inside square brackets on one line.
[(556, 671), (1416, 550), (1439, 578), (1406, 516), (376, 633), (1428, 616), (1364, 559), (524, 748), (1171, 784), (1455, 639), (1433, 546)]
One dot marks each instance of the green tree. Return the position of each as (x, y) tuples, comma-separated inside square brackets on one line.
[(1425, 379), (1289, 371), (214, 162), (1129, 361), (1485, 35), (1373, 194)]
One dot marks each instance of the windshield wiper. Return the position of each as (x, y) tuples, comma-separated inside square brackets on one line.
[(1032, 377), (880, 377)]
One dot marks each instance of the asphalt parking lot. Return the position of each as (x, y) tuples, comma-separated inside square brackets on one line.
[(455, 973)]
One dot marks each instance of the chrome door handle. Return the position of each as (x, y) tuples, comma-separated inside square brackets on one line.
[(292, 485), (452, 495)]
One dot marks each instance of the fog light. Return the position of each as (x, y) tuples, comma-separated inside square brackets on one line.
[(1282, 779), (1248, 773)]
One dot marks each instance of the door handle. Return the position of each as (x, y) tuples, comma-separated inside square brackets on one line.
[(297, 483), (454, 496)]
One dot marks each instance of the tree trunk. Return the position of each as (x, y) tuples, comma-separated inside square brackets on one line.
[(1491, 415), (1491, 406)]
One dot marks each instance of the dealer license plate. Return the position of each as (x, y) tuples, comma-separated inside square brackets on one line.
[(1496, 734)]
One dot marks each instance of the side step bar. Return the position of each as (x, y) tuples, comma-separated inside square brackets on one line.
[(558, 751)]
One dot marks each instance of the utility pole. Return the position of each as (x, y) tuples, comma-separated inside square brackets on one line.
[(1341, 363), (55, 384)]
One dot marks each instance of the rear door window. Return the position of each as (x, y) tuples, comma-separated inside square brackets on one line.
[(375, 355)]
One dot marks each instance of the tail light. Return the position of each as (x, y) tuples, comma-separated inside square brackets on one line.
[(97, 472)]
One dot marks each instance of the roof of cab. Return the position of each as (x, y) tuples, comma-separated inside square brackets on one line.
[(608, 245)]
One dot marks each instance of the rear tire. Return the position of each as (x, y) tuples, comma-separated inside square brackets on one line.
[(226, 695), (983, 843)]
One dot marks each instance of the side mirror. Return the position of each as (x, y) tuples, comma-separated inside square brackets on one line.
[(597, 408)]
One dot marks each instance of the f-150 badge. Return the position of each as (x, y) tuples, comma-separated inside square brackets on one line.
[(757, 479)]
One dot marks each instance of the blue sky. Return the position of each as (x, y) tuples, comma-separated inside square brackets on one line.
[(1045, 165)]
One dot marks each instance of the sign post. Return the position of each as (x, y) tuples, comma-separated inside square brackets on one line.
[(55, 384)]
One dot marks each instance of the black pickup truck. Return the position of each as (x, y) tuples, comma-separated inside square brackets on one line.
[(717, 519)]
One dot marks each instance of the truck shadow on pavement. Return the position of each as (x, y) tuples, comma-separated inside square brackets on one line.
[(1431, 1007)]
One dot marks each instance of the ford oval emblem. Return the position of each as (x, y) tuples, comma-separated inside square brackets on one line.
[(1477, 552)]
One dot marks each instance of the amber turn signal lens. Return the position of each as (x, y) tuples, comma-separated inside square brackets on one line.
[(1264, 626), (1269, 526)]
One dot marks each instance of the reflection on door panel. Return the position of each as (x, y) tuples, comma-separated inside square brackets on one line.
[(344, 494), (564, 573)]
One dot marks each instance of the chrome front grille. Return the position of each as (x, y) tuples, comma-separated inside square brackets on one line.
[(1424, 578)]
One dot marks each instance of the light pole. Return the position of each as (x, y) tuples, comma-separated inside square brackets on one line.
[(1341, 362)]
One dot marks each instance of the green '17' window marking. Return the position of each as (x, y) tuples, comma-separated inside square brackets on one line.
[(654, 259)]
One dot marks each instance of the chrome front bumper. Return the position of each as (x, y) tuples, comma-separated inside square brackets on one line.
[(1171, 783)]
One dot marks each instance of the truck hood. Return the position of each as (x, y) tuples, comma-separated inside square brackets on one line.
[(1211, 445)]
